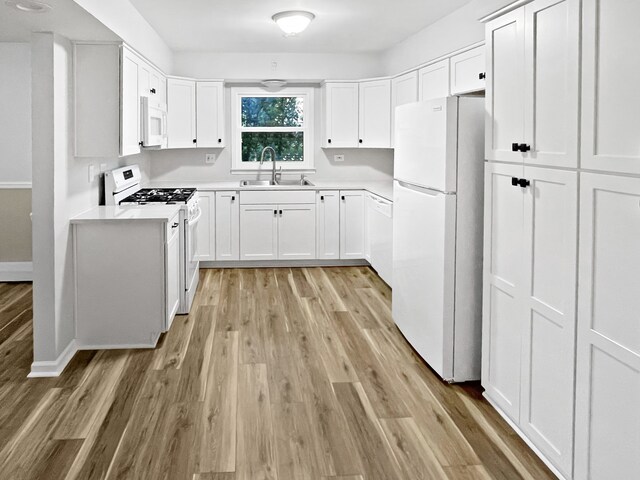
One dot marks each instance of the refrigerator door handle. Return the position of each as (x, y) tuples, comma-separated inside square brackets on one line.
[(427, 191)]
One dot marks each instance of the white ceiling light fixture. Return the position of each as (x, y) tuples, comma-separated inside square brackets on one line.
[(29, 6), (274, 84), (293, 22)]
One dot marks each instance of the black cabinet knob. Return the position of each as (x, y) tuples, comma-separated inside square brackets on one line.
[(524, 183), (523, 147), (140, 143), (275, 212), (153, 90), (515, 147), (280, 212), (482, 76), (514, 181), (233, 198), (342, 197), (329, 141), (322, 198), (219, 140), (194, 140), (360, 141)]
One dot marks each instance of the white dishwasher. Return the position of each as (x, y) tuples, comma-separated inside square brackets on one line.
[(380, 229)]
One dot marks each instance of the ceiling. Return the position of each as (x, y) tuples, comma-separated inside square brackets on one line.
[(65, 18), (340, 26)]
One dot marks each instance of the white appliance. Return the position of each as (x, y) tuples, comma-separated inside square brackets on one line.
[(154, 123), (122, 187), (437, 232)]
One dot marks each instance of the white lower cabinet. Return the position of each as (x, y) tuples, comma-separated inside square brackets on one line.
[(352, 228), (608, 341), (379, 236), (172, 260), (227, 226), (278, 232), (529, 303), (328, 225), (206, 227)]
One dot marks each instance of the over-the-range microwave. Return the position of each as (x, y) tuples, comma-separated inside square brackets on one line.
[(154, 123)]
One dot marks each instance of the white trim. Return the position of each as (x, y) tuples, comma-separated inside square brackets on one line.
[(283, 263), (16, 271), (16, 185), (53, 368), (509, 8), (307, 129)]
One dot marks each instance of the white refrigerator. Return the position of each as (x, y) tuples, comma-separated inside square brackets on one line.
[(437, 232)]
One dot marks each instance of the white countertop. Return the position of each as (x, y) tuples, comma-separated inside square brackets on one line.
[(154, 213), (382, 188)]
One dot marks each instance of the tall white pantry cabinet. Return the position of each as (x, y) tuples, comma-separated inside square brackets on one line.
[(561, 335)]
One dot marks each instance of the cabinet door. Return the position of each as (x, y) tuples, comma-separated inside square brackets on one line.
[(404, 89), (505, 87), (258, 232), (549, 281), (503, 290), (227, 230), (297, 232), (375, 114), (158, 86), (369, 206), (352, 231), (468, 71), (380, 236), (206, 227), (552, 43), (611, 75), (341, 115), (434, 81), (210, 114), (608, 349), (328, 225), (181, 113), (172, 261), (129, 104)]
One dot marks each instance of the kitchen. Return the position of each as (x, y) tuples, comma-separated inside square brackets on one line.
[(292, 298)]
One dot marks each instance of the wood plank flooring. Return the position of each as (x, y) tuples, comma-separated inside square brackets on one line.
[(276, 374)]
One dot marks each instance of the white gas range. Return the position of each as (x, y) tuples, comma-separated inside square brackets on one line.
[(122, 187)]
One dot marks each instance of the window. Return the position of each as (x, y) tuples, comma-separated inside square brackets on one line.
[(282, 120)]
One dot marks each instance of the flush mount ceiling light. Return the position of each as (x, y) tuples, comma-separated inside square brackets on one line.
[(293, 22), (273, 84), (30, 6)]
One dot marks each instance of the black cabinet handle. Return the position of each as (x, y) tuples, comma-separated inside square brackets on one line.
[(524, 183), (514, 181), (153, 90), (322, 198), (280, 212), (219, 140), (175, 225), (342, 197), (482, 76), (275, 212), (523, 147), (233, 198), (140, 143), (329, 141), (515, 147), (360, 141)]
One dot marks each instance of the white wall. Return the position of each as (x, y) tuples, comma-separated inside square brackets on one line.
[(61, 190), (457, 30), (121, 17), (15, 113), (290, 66)]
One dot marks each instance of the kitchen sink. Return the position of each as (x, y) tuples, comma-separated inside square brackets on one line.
[(280, 183)]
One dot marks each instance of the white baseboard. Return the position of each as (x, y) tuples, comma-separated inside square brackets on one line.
[(16, 271), (53, 368), (282, 263)]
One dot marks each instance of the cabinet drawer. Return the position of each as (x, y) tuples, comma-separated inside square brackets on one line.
[(256, 197)]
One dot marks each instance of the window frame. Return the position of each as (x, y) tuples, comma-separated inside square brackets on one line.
[(237, 165)]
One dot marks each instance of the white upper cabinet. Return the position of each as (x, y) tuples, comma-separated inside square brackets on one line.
[(505, 87), (611, 75), (468, 71), (533, 84), (608, 356), (340, 111), (152, 83), (130, 103), (181, 113), (210, 125), (375, 114), (433, 81), (404, 89)]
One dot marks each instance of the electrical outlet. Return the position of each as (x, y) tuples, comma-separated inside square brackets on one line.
[(210, 158), (92, 172), (338, 158)]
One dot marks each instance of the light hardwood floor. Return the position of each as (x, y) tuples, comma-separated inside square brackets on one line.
[(276, 374)]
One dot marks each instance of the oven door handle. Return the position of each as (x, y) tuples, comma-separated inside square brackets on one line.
[(195, 219)]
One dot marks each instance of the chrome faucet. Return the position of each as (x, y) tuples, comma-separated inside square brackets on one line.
[(273, 162)]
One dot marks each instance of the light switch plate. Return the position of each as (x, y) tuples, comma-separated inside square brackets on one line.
[(92, 172), (338, 158), (210, 158)]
